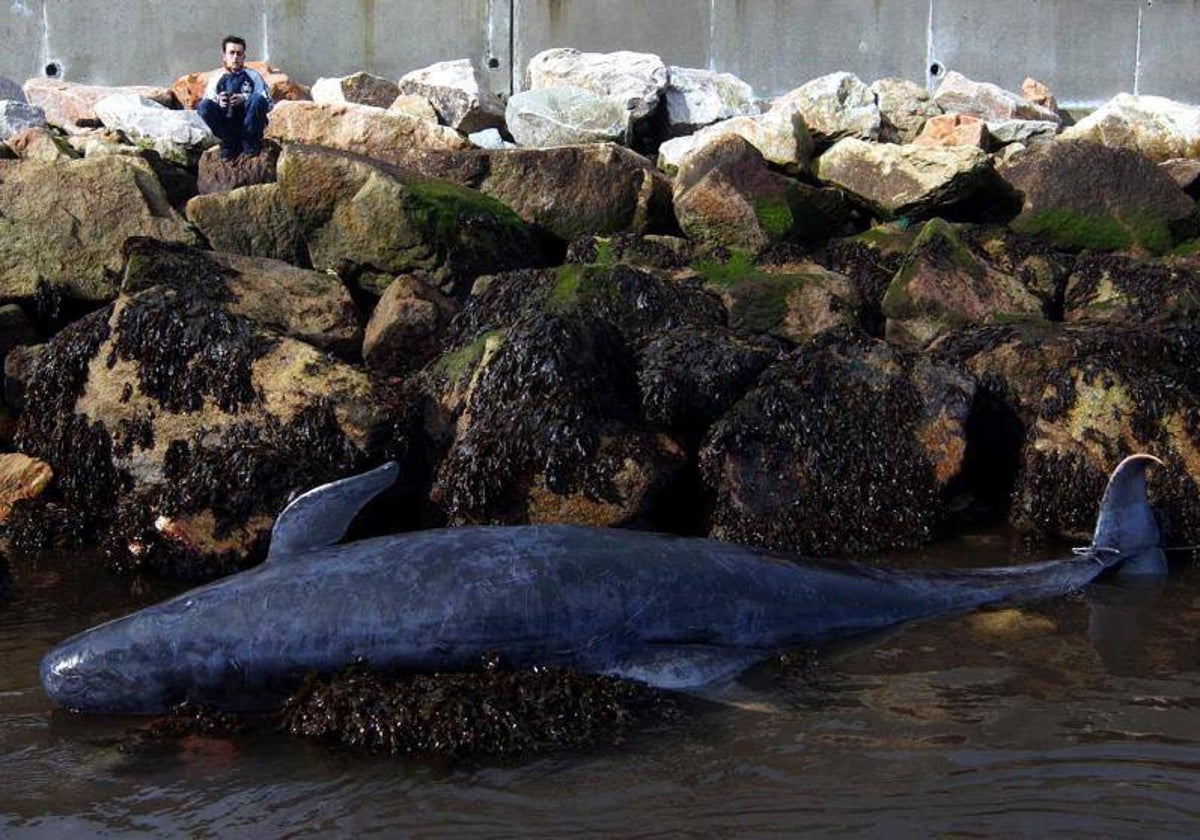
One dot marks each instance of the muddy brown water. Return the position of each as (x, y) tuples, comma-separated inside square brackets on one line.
[(1074, 716)]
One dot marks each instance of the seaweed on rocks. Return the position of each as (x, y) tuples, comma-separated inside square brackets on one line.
[(38, 526), (492, 712)]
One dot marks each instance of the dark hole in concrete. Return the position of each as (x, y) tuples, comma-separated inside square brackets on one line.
[(493, 63), (53, 69), (936, 69)]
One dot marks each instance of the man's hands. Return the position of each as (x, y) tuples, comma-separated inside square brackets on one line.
[(224, 100)]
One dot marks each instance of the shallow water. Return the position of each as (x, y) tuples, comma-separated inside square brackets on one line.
[(1080, 715)]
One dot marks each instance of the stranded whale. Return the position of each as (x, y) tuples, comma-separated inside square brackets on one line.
[(673, 612)]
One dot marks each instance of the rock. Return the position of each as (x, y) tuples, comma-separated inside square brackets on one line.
[(389, 136), (414, 106), (21, 477), (726, 197), (793, 302), (1039, 94), (218, 175), (780, 135), (634, 80), (1185, 172), (491, 139), (189, 89), (1028, 132), (181, 428), (362, 216), (541, 392), (697, 98), (690, 376), (11, 90), (1155, 127), (942, 286), (178, 136), (835, 106), (564, 116), (19, 364), (252, 220), (15, 329), (960, 95), (459, 93), (407, 327), (647, 251), (954, 130), (310, 306), (70, 106), (15, 117), (358, 88), (1079, 398), (1120, 289), (788, 472), (904, 106), (63, 225), (1082, 195), (908, 180), (41, 144)]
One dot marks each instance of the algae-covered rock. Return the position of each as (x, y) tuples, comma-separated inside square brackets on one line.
[(794, 302), (726, 197), (942, 285), (914, 181), (179, 428), (1122, 289), (650, 251), (1080, 195), (63, 225), (787, 471), (360, 215), (253, 220)]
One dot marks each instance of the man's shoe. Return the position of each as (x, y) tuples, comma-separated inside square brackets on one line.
[(229, 154), (251, 150)]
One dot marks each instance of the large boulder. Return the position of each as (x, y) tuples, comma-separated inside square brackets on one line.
[(11, 90), (904, 107), (786, 471), (15, 117), (1066, 403), (364, 217), (906, 180), (1155, 127), (41, 144), (568, 191), (310, 306), (178, 136), (956, 94), (727, 197), (696, 98), (942, 285), (835, 106), (780, 135), (389, 136), (954, 130), (70, 106), (407, 326), (359, 88), (1083, 195), (180, 428), (63, 225), (563, 116), (252, 220), (219, 175), (1121, 289), (634, 80), (460, 95)]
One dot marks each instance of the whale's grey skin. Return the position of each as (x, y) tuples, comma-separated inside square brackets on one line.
[(670, 611)]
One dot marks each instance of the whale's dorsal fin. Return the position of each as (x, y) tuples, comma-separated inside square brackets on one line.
[(320, 517), (1126, 523)]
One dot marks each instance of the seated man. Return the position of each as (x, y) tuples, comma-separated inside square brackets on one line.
[(235, 103)]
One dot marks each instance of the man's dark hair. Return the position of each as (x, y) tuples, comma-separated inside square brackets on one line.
[(232, 39)]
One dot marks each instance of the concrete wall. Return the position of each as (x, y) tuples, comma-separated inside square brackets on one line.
[(1086, 50)]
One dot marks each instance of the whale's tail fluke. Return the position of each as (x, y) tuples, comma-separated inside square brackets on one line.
[(1126, 534)]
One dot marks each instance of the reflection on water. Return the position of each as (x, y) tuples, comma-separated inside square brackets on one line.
[(1070, 716)]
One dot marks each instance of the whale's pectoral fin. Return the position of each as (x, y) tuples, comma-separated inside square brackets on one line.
[(684, 667), (320, 517)]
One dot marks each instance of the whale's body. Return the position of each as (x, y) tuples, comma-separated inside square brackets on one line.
[(670, 611)]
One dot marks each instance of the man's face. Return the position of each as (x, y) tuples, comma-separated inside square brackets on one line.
[(234, 57)]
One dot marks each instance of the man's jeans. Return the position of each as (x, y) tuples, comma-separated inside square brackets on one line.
[(242, 131)]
